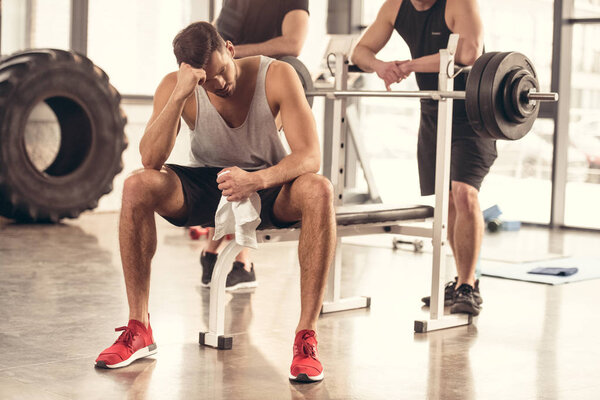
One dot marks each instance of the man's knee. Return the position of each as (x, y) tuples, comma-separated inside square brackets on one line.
[(465, 198), (315, 190), (140, 186)]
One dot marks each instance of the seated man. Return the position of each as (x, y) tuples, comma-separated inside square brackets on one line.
[(261, 27), (230, 107)]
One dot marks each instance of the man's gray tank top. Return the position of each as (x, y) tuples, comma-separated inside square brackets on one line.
[(256, 144)]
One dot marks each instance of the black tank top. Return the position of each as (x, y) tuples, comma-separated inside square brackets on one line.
[(425, 32)]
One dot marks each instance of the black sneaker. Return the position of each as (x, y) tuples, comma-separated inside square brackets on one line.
[(464, 301), (239, 278), (449, 293), (208, 261)]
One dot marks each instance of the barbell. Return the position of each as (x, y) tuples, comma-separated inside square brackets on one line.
[(501, 96)]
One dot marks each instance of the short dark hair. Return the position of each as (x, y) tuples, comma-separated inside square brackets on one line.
[(195, 44)]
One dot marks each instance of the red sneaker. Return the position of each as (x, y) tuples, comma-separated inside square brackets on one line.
[(134, 343), (306, 366)]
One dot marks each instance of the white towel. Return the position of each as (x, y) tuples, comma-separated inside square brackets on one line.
[(239, 217)]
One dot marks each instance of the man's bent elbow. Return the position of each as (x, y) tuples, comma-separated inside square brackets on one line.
[(354, 59), (313, 165), (294, 48), (468, 56), (359, 57), (150, 163)]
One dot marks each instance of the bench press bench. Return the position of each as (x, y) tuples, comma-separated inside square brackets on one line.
[(495, 117), (363, 219), (351, 220)]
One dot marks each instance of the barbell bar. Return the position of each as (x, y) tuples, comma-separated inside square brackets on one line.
[(432, 94), (502, 96)]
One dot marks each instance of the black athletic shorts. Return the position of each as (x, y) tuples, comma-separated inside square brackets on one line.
[(202, 196), (471, 159)]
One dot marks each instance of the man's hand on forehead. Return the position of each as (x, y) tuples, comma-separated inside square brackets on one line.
[(187, 80), (200, 73)]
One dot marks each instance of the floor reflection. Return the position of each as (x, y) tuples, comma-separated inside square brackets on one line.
[(133, 380), (449, 372)]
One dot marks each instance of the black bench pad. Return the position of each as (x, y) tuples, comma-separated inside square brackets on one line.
[(377, 213)]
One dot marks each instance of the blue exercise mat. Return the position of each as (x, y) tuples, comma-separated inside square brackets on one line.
[(587, 268)]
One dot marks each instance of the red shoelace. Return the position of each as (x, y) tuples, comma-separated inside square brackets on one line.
[(308, 348), (126, 337)]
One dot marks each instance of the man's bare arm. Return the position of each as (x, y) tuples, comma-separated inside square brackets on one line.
[(464, 20), (467, 23), (294, 29), (162, 128), (299, 127), (373, 40)]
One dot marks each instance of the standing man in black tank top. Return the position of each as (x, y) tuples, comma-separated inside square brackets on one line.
[(426, 25)]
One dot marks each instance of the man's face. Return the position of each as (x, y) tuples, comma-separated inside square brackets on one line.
[(221, 72)]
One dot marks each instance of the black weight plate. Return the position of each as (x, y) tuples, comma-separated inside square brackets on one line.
[(491, 100), (472, 94), (519, 95), (510, 83), (487, 104)]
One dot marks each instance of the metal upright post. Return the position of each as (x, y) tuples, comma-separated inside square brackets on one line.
[(333, 301), (561, 82), (442, 188), (339, 131), (79, 26), (338, 160)]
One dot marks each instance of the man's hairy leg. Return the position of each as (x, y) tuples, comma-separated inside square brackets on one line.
[(310, 199), (467, 232), (144, 192), (451, 223), (212, 246)]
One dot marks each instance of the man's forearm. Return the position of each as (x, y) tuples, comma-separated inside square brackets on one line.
[(279, 46), (430, 63), (288, 169), (364, 58), (159, 138)]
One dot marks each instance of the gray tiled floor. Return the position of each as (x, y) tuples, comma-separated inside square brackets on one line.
[(62, 294)]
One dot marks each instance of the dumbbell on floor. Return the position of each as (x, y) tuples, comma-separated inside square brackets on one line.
[(417, 244)]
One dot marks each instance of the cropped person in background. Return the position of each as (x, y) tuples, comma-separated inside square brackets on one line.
[(272, 28), (425, 26)]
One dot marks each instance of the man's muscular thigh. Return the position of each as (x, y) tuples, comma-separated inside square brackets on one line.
[(307, 190)]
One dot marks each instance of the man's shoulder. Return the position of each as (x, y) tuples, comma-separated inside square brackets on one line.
[(168, 82), (392, 3), (460, 5), (170, 79), (390, 8), (166, 86), (280, 71)]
